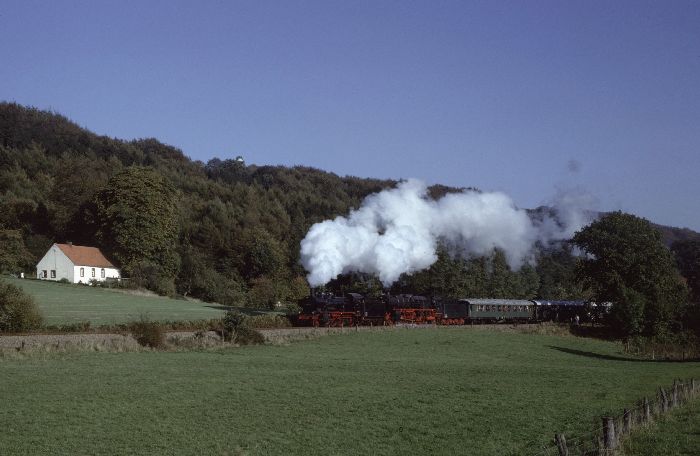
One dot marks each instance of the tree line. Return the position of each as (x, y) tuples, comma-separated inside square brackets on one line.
[(221, 231)]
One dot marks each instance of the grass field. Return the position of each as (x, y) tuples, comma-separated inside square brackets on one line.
[(67, 303), (677, 434), (396, 392)]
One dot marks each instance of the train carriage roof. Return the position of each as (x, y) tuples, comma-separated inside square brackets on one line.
[(560, 303)]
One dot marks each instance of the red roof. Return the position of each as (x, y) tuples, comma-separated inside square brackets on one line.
[(85, 256)]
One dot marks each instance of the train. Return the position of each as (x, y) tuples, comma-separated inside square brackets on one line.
[(354, 309)]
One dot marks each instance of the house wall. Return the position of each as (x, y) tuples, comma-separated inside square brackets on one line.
[(110, 273), (57, 261)]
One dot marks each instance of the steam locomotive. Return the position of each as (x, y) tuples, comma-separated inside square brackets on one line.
[(355, 309)]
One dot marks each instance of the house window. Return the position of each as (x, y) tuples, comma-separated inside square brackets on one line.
[(93, 272), (82, 272), (44, 274), (102, 273), (53, 273)]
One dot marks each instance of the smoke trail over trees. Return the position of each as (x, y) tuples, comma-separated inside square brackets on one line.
[(398, 230)]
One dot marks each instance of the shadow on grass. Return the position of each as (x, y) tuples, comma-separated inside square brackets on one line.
[(588, 354)]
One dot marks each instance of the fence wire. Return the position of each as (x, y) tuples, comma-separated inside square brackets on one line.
[(593, 443)]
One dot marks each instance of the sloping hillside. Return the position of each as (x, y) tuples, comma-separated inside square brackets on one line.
[(64, 304)]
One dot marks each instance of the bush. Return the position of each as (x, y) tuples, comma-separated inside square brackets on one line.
[(237, 329), (148, 333), (293, 308), (18, 311)]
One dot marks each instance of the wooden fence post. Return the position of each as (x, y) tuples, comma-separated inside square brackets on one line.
[(664, 400), (561, 444), (692, 384), (647, 411), (609, 442), (674, 395), (627, 420)]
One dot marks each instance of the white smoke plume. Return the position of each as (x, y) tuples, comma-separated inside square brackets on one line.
[(397, 231)]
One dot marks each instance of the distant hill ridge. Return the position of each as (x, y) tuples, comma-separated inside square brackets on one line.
[(22, 127)]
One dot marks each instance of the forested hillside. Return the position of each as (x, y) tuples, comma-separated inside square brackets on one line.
[(221, 231)]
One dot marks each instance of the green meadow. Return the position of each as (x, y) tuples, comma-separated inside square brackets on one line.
[(396, 392), (62, 303)]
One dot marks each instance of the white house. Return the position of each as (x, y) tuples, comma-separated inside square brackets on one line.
[(76, 263)]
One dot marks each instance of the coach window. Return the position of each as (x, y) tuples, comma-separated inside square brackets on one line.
[(102, 273), (93, 272), (82, 272)]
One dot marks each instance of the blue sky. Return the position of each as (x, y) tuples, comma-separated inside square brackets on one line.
[(522, 97)]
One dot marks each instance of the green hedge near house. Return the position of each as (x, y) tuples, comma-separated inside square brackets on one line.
[(18, 311)]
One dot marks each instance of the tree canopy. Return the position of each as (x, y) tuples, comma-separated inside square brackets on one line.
[(137, 219), (628, 264), (688, 259)]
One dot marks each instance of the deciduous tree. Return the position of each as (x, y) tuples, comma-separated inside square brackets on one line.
[(628, 265), (137, 219)]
